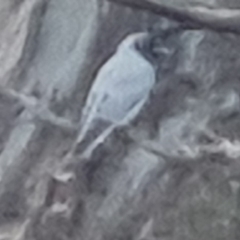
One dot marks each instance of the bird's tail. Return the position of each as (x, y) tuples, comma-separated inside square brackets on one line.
[(87, 122), (100, 139), (85, 126), (109, 129)]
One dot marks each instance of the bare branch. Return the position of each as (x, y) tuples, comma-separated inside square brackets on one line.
[(38, 110), (193, 17)]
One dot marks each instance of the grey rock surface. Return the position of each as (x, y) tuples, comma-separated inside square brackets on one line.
[(172, 173)]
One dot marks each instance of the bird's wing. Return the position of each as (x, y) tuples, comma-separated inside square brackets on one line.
[(98, 89), (130, 83), (95, 97)]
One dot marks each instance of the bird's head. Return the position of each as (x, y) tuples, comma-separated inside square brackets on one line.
[(153, 46), (139, 42), (135, 41)]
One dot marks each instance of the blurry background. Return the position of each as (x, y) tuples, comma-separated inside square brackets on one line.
[(52, 49)]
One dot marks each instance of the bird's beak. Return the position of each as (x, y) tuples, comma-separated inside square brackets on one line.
[(162, 51)]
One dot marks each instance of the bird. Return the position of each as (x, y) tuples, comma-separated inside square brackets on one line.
[(120, 89)]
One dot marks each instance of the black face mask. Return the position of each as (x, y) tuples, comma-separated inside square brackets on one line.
[(145, 48)]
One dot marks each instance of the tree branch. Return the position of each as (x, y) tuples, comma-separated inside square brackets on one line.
[(38, 110), (227, 20)]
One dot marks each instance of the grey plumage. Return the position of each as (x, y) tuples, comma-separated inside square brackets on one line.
[(120, 89)]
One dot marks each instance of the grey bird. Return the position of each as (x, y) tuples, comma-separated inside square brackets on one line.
[(120, 90)]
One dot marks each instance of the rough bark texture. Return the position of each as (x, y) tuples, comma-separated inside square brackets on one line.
[(179, 179)]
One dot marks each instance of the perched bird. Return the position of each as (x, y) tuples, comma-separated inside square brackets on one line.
[(120, 90)]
